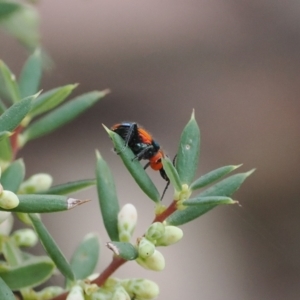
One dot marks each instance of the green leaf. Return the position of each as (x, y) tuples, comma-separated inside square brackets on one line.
[(51, 248), (14, 115), (13, 176), (85, 257), (30, 76), (107, 195), (225, 188), (3, 107), (5, 291), (70, 187), (23, 25), (62, 115), (51, 99), (172, 174), (11, 88), (44, 203), (124, 250), (188, 151), (5, 151), (31, 273), (215, 200), (8, 8), (212, 177), (134, 167), (12, 254)]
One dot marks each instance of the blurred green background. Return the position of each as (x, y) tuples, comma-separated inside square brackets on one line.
[(237, 64)]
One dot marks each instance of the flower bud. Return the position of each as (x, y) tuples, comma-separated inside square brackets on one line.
[(141, 288), (155, 262), (101, 294), (8, 200), (25, 237), (76, 293), (7, 225), (4, 215), (171, 236), (120, 294), (145, 248), (155, 231), (49, 292), (36, 183), (127, 219)]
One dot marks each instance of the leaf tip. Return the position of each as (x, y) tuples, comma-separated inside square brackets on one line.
[(113, 248), (71, 202), (98, 155), (250, 172)]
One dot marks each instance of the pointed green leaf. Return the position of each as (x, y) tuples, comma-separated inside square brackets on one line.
[(23, 25), (85, 257), (7, 9), (13, 176), (108, 200), (11, 88), (134, 167), (215, 200), (44, 203), (188, 151), (62, 115), (124, 250), (212, 176), (51, 99), (4, 134), (5, 291), (30, 76), (14, 115), (226, 188), (172, 174), (51, 247), (31, 273), (70, 187)]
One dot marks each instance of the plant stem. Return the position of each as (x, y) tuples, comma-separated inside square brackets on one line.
[(14, 140), (118, 261)]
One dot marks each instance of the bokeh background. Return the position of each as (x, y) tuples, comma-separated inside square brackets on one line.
[(237, 64)]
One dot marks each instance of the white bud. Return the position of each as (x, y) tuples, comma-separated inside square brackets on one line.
[(171, 236), (155, 262), (141, 288), (120, 294), (145, 248), (7, 225), (76, 293), (36, 183), (25, 237), (4, 215), (101, 294), (8, 200), (127, 219)]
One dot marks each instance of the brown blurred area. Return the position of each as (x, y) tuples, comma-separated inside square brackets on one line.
[(237, 64)]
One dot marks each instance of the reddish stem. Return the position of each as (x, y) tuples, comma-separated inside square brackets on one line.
[(118, 261), (14, 140)]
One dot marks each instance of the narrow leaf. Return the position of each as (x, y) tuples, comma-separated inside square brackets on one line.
[(45, 203), (14, 115), (108, 200), (70, 187), (31, 273), (226, 188), (85, 257), (62, 115), (134, 167), (12, 254), (30, 76), (51, 99), (51, 247), (188, 151), (13, 176), (212, 177), (124, 250), (10, 84), (172, 174), (5, 291), (215, 200), (7, 9)]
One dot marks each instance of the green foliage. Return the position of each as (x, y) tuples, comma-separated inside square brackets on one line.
[(27, 114)]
